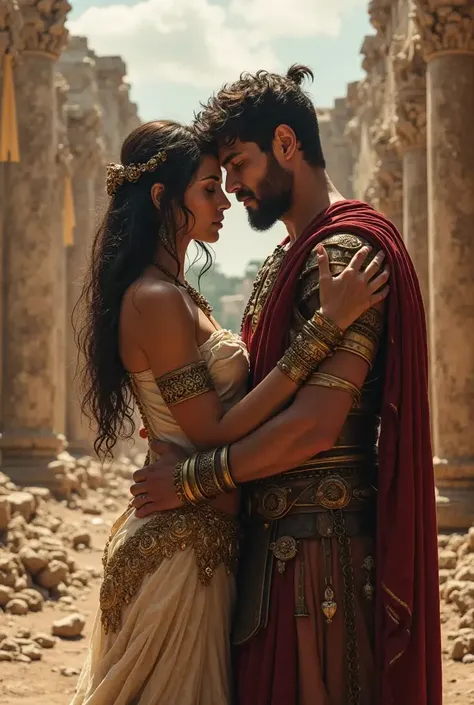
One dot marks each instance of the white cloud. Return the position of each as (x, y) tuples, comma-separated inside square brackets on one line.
[(196, 42), (184, 41), (296, 18)]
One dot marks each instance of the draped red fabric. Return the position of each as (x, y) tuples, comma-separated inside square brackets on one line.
[(407, 638)]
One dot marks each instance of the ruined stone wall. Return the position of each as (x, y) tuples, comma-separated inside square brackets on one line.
[(71, 117), (400, 139), (409, 128), (336, 145)]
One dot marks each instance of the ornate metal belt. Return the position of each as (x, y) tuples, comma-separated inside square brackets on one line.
[(332, 492)]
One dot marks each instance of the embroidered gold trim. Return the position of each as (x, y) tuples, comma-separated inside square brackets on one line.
[(348, 604), (392, 614), (212, 535), (397, 599), (263, 285), (405, 606), (185, 383)]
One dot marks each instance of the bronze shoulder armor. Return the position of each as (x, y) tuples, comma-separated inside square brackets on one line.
[(341, 248)]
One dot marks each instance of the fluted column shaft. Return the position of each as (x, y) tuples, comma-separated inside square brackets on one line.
[(448, 43)]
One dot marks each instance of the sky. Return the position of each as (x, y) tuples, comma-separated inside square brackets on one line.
[(178, 52)]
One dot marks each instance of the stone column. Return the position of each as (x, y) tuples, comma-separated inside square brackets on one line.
[(447, 34), (385, 192), (410, 128), (10, 27), (83, 130), (62, 172), (128, 111), (337, 146), (111, 71), (84, 133), (30, 439)]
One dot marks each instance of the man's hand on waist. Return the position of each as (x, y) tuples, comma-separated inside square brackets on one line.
[(153, 489)]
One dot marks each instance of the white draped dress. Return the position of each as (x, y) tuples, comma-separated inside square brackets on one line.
[(170, 643)]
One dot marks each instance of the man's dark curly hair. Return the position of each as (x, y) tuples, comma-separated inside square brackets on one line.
[(254, 106)]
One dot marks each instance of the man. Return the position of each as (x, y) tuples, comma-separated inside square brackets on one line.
[(338, 592)]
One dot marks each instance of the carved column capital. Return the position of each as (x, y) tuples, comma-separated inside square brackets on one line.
[(63, 153), (111, 71), (382, 138), (410, 93), (352, 134), (446, 27), (410, 123), (11, 23), (385, 189), (43, 29), (373, 50), (128, 111), (379, 13), (85, 138)]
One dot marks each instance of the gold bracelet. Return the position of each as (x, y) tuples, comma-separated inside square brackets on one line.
[(186, 487), (196, 489), (328, 331), (179, 485), (322, 379), (363, 336), (189, 481), (185, 383), (358, 345), (304, 354), (205, 474), (223, 474)]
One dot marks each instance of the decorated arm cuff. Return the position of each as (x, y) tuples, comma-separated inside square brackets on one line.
[(185, 383)]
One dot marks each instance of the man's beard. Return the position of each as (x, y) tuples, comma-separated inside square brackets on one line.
[(275, 196)]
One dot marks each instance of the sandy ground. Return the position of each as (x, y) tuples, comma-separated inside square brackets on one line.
[(42, 683)]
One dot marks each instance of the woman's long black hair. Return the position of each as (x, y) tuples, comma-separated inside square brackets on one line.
[(124, 245)]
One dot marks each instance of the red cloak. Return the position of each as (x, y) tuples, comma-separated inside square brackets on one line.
[(407, 636)]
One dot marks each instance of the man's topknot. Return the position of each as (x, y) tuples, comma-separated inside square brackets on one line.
[(298, 73)]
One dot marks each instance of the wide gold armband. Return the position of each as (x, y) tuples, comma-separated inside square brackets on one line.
[(322, 379), (185, 383), (203, 476), (314, 342), (362, 337)]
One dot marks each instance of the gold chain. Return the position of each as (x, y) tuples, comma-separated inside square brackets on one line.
[(278, 254), (200, 300), (348, 599)]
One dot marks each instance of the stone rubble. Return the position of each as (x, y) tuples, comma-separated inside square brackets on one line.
[(38, 567), (456, 578)]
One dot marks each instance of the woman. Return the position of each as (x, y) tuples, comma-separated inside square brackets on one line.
[(162, 636)]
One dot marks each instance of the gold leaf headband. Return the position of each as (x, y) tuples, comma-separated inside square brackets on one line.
[(118, 173)]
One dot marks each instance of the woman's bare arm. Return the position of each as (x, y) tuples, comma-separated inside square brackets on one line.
[(167, 338)]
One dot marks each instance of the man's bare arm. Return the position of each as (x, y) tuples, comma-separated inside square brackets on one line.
[(309, 426), (313, 423)]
